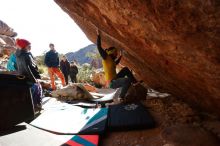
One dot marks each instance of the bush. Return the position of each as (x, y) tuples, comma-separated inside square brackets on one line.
[(42, 69), (84, 73)]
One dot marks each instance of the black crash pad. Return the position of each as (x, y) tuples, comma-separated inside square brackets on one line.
[(129, 117)]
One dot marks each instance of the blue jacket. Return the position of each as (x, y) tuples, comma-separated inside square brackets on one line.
[(12, 65), (51, 59)]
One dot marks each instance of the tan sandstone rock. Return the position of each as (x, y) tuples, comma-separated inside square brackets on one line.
[(172, 45)]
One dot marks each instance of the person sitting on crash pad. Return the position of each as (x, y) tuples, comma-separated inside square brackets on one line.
[(124, 78), (27, 66)]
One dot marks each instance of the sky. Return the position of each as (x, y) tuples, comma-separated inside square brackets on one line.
[(42, 22)]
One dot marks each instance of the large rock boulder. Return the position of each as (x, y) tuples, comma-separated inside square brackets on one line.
[(72, 92), (98, 78), (172, 45), (7, 43)]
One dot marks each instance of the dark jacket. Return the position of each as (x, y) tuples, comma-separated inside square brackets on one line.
[(65, 67), (26, 65), (102, 52), (73, 70), (51, 59)]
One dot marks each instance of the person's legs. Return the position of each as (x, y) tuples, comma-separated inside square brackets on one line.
[(66, 78), (36, 91), (72, 78), (126, 72), (60, 75), (52, 79), (125, 83)]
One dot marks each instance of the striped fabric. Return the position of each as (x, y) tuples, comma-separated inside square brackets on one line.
[(83, 140)]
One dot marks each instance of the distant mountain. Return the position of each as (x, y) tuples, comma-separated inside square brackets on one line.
[(81, 55)]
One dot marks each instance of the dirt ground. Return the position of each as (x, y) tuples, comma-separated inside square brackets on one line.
[(177, 125)]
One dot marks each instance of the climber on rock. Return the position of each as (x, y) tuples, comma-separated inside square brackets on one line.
[(124, 78)]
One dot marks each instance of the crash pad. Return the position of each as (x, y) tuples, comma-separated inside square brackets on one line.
[(130, 116), (64, 118), (83, 140), (27, 135)]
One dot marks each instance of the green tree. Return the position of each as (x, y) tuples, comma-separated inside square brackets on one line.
[(84, 73), (95, 56)]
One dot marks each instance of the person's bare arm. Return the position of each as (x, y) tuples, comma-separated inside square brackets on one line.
[(119, 58)]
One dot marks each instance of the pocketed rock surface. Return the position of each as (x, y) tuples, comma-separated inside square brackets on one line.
[(172, 45)]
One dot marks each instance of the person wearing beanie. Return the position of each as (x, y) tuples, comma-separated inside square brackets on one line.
[(27, 66), (124, 78), (22, 43), (51, 60)]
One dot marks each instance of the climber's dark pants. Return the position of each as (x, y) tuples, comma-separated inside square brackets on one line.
[(125, 72), (123, 79)]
